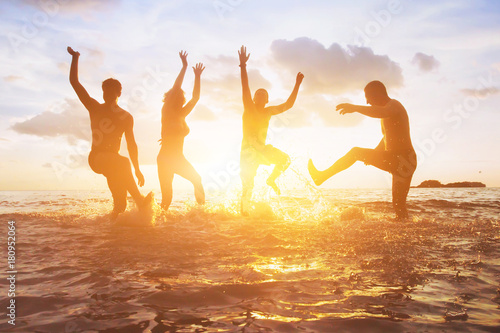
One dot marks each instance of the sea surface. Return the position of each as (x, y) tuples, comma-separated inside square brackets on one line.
[(309, 261)]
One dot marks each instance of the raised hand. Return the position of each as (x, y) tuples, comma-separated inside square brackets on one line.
[(198, 69), (73, 52), (183, 55), (344, 108), (300, 77), (243, 55)]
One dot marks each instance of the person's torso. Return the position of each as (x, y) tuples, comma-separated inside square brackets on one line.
[(108, 125), (396, 129), (255, 126), (173, 131)]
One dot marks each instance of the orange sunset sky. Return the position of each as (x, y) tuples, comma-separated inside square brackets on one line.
[(440, 59)]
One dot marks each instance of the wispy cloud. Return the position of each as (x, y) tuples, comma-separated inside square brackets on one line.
[(75, 6), (12, 78), (481, 93)]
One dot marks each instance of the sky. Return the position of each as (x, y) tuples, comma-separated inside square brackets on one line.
[(440, 59)]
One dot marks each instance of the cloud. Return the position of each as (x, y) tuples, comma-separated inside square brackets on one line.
[(226, 89), (71, 6), (68, 119), (426, 63), (334, 70), (481, 93), (12, 78)]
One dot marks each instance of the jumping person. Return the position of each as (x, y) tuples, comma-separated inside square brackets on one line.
[(394, 153), (254, 150), (109, 122), (174, 129)]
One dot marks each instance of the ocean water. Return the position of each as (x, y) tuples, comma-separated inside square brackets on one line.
[(314, 261)]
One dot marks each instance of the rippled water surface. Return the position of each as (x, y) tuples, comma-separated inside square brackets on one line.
[(329, 261)]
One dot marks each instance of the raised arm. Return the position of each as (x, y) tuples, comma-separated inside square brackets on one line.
[(247, 95), (83, 95), (198, 69), (370, 111), (132, 149), (180, 77), (291, 100)]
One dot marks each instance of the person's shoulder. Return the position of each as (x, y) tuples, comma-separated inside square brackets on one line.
[(249, 109), (124, 112), (125, 116), (396, 105), (95, 107)]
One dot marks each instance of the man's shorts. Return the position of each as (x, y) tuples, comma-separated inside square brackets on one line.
[(401, 164), (251, 157)]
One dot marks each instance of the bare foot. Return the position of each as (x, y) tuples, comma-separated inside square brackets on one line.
[(315, 173), (273, 185)]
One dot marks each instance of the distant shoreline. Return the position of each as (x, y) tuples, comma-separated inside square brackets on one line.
[(438, 184)]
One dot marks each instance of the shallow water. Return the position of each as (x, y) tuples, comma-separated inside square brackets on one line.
[(329, 261)]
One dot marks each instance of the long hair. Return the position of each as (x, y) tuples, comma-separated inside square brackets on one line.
[(174, 97)]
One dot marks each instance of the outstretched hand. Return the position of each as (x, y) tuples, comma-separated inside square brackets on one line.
[(344, 108), (198, 69), (183, 55), (300, 77), (73, 52), (243, 55)]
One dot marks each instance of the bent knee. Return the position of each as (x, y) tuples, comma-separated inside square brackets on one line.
[(359, 154), (286, 160), (356, 151)]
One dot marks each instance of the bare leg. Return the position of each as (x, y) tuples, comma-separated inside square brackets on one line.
[(246, 196), (166, 176), (281, 162), (119, 173), (119, 193), (128, 178), (369, 156), (400, 188), (187, 171), (248, 172)]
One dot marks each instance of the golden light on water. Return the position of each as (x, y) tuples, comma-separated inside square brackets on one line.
[(274, 265)]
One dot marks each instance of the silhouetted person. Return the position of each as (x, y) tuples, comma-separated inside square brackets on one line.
[(394, 153), (174, 129), (109, 122), (254, 150)]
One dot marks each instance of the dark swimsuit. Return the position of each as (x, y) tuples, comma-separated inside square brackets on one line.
[(402, 163)]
